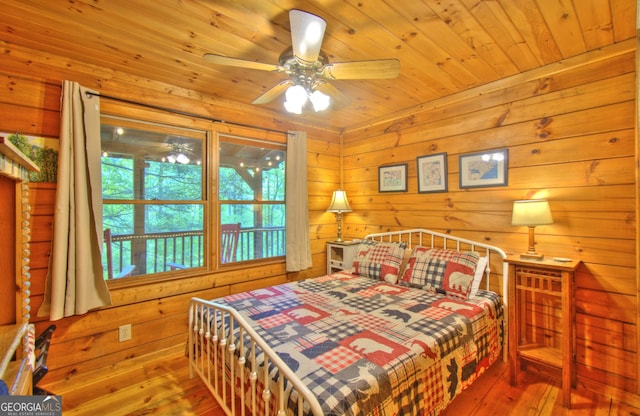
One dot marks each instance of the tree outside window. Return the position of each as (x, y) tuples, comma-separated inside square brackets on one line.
[(153, 198), (251, 192)]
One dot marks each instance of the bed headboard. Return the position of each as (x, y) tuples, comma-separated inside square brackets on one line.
[(427, 238)]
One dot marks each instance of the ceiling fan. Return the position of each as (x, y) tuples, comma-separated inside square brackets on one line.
[(309, 69)]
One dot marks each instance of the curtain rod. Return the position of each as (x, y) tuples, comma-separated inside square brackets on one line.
[(182, 113)]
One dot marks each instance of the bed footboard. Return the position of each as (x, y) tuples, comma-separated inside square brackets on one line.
[(231, 359)]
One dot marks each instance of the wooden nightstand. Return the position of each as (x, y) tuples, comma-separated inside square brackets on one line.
[(541, 293), (340, 255)]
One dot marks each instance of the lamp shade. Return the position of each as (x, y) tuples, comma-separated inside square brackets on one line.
[(531, 212), (339, 202)]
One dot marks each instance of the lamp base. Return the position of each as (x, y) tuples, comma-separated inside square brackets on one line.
[(532, 256)]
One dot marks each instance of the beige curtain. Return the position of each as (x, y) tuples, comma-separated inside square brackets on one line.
[(298, 242), (75, 284)]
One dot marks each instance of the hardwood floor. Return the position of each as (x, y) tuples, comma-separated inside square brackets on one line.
[(159, 384)]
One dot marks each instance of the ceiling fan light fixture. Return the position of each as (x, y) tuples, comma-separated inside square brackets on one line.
[(296, 94), (319, 100), (178, 158), (296, 97), (182, 158), (178, 153)]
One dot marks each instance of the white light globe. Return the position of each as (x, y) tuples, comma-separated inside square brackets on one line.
[(292, 107), (297, 95), (319, 100)]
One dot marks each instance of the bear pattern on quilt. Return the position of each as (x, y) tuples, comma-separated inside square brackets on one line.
[(364, 346)]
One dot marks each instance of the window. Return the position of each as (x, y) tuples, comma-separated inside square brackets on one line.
[(251, 192), (154, 197)]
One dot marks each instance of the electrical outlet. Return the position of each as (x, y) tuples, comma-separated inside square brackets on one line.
[(124, 333)]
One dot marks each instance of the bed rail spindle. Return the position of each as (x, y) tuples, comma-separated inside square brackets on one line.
[(223, 357), (281, 407), (254, 378), (230, 350), (266, 393), (201, 339), (213, 347), (241, 370), (206, 312)]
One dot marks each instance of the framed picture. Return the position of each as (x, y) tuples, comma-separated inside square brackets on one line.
[(432, 173), (484, 169), (392, 178)]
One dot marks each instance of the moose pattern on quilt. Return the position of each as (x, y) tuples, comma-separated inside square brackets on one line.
[(365, 347)]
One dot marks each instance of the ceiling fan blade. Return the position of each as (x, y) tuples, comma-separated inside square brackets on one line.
[(240, 63), (338, 99), (273, 93), (307, 32), (375, 69)]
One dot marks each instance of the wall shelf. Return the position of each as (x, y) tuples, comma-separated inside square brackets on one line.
[(14, 163)]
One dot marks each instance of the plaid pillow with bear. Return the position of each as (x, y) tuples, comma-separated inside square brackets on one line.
[(444, 271), (379, 260)]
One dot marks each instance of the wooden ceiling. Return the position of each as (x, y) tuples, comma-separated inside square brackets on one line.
[(444, 46)]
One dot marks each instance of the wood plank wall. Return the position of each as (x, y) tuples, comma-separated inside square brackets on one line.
[(570, 133), (29, 104)]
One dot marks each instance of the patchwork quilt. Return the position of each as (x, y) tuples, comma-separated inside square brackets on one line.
[(367, 347)]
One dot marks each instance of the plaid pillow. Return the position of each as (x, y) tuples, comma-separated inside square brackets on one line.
[(418, 262), (379, 260), (444, 271)]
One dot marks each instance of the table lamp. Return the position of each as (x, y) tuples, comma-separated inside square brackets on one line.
[(339, 204), (531, 213)]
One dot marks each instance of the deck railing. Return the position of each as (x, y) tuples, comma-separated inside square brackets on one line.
[(160, 252)]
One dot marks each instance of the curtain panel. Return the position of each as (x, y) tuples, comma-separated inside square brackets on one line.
[(297, 204), (75, 282)]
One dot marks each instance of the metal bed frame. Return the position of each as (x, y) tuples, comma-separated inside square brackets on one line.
[(216, 331)]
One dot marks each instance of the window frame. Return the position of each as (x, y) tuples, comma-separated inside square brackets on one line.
[(210, 161), (258, 142), (181, 124)]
